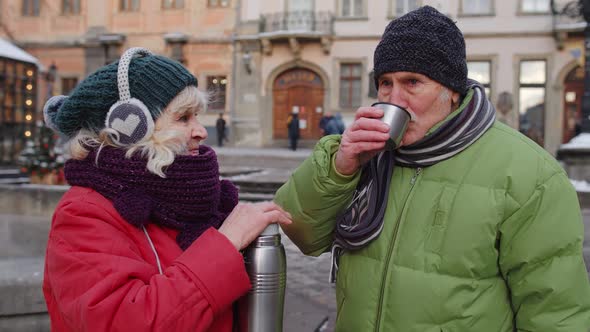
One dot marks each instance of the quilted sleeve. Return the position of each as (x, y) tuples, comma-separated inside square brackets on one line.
[(541, 260), (315, 195)]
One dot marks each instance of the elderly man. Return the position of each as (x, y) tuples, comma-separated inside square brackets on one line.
[(469, 226)]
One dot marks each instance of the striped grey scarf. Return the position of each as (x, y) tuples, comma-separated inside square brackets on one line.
[(362, 221)]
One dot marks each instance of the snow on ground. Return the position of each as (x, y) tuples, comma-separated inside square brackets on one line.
[(582, 141), (581, 186)]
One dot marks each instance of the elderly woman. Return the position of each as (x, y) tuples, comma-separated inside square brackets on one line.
[(148, 237)]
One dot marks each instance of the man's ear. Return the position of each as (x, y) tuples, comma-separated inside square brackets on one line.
[(455, 97)]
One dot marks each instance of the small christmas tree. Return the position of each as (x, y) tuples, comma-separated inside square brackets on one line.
[(43, 160)]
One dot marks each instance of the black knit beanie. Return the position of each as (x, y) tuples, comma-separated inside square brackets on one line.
[(423, 41)]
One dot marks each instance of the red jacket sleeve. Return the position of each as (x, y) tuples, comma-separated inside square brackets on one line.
[(100, 282)]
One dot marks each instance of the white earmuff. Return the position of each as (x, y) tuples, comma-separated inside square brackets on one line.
[(129, 118)]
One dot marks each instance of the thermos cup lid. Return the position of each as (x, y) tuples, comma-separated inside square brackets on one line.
[(272, 229)]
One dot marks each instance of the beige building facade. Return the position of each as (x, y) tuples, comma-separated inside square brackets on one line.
[(79, 36), (514, 48), (265, 59)]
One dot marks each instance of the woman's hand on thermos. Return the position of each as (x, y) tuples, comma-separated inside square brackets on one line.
[(248, 220)]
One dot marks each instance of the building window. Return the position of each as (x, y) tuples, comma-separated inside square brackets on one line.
[(70, 7), (532, 79), (177, 52), (217, 86), (218, 3), (350, 85), (404, 6), (68, 84), (476, 7), (129, 5), (481, 71), (173, 4), (535, 6), (31, 7), (352, 8)]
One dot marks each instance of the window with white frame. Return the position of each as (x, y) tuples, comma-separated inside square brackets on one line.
[(350, 84), (352, 8), (531, 91), (481, 71), (476, 7), (535, 6), (404, 6)]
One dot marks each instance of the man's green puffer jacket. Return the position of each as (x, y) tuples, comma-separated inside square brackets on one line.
[(489, 240)]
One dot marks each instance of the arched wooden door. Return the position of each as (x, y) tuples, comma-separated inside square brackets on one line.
[(302, 90), (572, 103)]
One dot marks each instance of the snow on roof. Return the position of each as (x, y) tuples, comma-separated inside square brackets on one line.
[(9, 50), (582, 141)]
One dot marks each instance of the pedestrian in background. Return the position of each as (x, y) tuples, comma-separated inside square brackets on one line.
[(293, 130), (335, 126), (324, 120), (148, 237), (469, 226), (220, 128)]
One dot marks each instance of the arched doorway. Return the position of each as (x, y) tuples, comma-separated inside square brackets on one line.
[(572, 103), (302, 90)]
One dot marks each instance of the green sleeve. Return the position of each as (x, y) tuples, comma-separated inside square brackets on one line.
[(541, 260), (315, 195)]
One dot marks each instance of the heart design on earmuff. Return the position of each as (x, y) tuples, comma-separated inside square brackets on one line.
[(128, 126), (129, 118)]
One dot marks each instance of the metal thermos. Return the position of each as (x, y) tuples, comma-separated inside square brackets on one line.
[(261, 310)]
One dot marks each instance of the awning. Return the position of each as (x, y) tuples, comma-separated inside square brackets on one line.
[(10, 51)]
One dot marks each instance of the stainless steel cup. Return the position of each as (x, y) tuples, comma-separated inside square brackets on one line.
[(398, 119), (261, 310)]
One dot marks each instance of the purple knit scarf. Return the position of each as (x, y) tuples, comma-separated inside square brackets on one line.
[(190, 199)]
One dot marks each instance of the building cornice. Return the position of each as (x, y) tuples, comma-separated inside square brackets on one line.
[(519, 34), (92, 43)]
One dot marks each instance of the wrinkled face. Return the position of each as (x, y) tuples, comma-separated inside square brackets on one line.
[(185, 127), (428, 101)]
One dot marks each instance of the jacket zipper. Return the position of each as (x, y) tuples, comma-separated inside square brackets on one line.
[(391, 245)]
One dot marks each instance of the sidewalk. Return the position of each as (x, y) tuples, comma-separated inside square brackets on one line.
[(262, 152)]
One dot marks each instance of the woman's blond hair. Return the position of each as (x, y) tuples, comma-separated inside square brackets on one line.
[(160, 149)]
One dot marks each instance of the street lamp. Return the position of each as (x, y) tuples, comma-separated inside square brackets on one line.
[(50, 77)]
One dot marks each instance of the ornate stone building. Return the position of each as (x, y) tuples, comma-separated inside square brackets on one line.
[(517, 49), (79, 36), (266, 59)]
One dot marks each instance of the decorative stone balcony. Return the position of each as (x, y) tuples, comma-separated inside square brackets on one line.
[(296, 27), (568, 19)]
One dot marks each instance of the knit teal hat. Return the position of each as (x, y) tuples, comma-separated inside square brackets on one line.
[(155, 80)]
